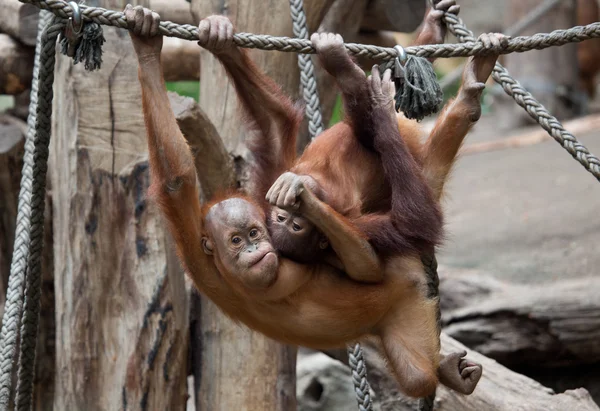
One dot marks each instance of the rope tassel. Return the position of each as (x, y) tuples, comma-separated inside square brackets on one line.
[(88, 48), (418, 93)]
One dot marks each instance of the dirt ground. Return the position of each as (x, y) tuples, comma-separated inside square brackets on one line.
[(527, 214)]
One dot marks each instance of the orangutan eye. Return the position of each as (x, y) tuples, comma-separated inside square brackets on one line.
[(236, 240), (296, 227), (253, 233), (280, 218)]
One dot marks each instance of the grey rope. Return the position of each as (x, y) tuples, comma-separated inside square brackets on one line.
[(533, 107), (433, 292), (308, 79), (359, 378), (21, 252), (31, 311), (266, 42), (310, 94)]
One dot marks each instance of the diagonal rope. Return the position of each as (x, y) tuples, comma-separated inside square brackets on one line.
[(21, 253), (31, 312), (308, 80), (533, 107), (265, 42)]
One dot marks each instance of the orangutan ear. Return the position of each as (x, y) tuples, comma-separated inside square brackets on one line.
[(323, 243), (207, 246)]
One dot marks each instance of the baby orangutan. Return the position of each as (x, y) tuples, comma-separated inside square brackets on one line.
[(226, 249)]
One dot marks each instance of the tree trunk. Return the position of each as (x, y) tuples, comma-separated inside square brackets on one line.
[(16, 65), (20, 20), (121, 305), (234, 367), (551, 75)]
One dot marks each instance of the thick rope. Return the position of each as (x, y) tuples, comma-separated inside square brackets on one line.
[(31, 312), (310, 94), (533, 107), (13, 307), (433, 292), (359, 378), (265, 42), (308, 80)]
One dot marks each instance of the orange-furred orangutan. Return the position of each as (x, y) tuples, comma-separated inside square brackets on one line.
[(226, 247)]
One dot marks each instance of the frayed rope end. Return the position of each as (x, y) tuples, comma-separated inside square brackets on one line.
[(88, 48), (418, 93)]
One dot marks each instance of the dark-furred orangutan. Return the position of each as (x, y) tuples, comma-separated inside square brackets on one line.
[(342, 169), (226, 248)]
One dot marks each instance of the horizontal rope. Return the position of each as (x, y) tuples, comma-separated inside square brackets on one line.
[(287, 44)]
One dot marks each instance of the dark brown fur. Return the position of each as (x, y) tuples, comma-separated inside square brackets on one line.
[(313, 305)]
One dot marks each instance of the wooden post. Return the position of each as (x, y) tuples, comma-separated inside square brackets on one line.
[(551, 75), (122, 314), (235, 368)]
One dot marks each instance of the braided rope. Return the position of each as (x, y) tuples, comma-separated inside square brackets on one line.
[(265, 42), (359, 378), (308, 80), (433, 292), (310, 94), (533, 107), (31, 311), (13, 307)]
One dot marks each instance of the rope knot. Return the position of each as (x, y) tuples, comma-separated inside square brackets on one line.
[(82, 41)]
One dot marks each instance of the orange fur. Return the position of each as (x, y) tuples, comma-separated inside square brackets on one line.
[(314, 305)]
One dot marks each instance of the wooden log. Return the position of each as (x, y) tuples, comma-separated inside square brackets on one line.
[(121, 304), (180, 59), (394, 15), (499, 388), (213, 163), (234, 367), (545, 325), (177, 11), (16, 65), (20, 20)]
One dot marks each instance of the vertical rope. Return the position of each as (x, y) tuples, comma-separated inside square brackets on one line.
[(308, 79), (433, 292), (359, 378), (31, 312), (315, 126), (16, 282)]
